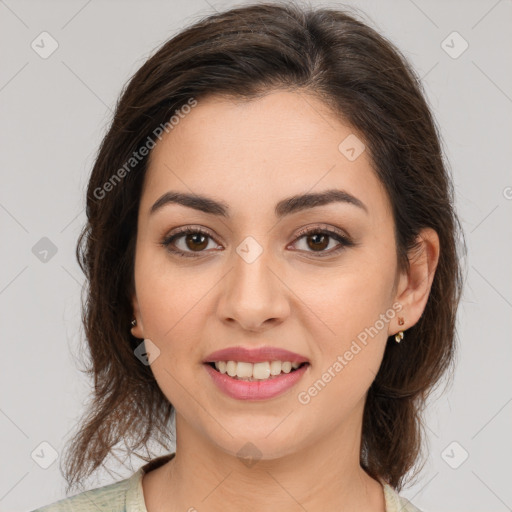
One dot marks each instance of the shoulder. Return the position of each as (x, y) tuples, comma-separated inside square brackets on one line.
[(124, 496), (111, 498), (395, 502)]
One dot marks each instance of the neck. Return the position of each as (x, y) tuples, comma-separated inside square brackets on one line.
[(320, 476)]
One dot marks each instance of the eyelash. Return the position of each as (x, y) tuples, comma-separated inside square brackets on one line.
[(188, 230)]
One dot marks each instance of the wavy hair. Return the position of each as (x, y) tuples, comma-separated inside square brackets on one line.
[(245, 53)]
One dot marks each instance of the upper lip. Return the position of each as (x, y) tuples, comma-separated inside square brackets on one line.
[(254, 355)]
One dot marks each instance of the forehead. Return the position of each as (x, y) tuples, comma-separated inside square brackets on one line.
[(247, 153)]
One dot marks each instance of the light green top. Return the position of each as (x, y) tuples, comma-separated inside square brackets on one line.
[(127, 496)]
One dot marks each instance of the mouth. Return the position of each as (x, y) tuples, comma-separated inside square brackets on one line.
[(246, 381), (255, 372)]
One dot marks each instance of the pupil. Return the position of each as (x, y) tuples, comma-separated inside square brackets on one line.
[(192, 236), (315, 244)]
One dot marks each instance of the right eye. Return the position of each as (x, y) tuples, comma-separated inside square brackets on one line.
[(194, 238)]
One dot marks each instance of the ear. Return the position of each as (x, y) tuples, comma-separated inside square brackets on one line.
[(138, 329), (414, 285)]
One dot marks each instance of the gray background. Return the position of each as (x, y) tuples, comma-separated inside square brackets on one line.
[(54, 112)]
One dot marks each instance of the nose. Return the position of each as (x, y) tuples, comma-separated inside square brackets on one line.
[(254, 294)]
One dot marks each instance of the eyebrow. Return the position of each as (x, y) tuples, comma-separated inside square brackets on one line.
[(284, 207)]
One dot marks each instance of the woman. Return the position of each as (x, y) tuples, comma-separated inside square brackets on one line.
[(272, 261)]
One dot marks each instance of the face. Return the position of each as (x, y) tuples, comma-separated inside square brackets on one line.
[(252, 278)]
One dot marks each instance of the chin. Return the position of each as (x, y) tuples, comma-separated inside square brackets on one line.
[(264, 444)]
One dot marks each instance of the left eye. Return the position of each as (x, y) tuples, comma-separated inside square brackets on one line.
[(318, 241), (196, 241)]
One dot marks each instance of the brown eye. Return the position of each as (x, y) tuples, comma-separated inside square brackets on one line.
[(195, 240), (318, 240)]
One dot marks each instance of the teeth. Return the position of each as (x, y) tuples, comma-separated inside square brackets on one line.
[(286, 367), (256, 371), (231, 368), (275, 367), (244, 369)]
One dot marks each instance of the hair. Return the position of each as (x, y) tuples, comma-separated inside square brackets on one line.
[(246, 53)]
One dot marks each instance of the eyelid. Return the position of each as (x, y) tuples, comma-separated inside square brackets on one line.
[(322, 227), (342, 237), (301, 232), (175, 234)]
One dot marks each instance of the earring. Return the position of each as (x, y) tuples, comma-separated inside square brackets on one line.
[(134, 322), (400, 335)]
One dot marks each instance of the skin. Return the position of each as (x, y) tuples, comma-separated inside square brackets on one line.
[(251, 155)]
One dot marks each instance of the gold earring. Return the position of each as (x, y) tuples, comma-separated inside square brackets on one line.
[(399, 336)]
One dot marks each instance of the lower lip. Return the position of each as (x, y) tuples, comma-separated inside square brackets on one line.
[(255, 390)]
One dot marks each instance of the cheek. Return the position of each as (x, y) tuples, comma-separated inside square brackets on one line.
[(350, 345), (167, 293), (173, 309), (347, 299), (173, 305), (354, 309)]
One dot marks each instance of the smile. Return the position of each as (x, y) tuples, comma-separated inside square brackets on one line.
[(258, 381)]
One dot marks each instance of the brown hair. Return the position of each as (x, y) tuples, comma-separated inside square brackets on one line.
[(245, 53)]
